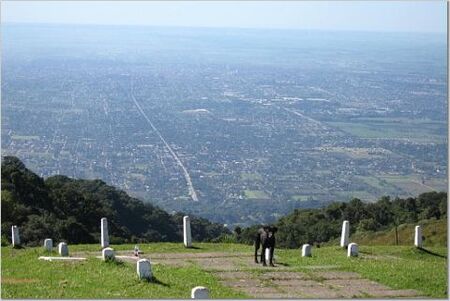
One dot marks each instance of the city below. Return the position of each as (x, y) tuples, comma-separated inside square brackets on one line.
[(237, 126)]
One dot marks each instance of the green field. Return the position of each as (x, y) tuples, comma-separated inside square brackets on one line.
[(396, 185), (24, 276), (300, 197), (255, 194), (413, 185), (21, 137), (396, 128), (253, 177)]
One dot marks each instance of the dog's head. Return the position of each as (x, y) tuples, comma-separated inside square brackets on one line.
[(273, 230)]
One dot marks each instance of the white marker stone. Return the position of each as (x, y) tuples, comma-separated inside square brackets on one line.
[(144, 269), (345, 234), (15, 238), (187, 238), (108, 254), (104, 233), (200, 292), (48, 244), (63, 249), (418, 237), (352, 249), (306, 250)]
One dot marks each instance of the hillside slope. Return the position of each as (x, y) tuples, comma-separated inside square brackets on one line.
[(69, 209), (433, 231)]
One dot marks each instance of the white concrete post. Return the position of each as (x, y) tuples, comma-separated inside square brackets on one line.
[(352, 250), (144, 269), (187, 238), (345, 234), (108, 254), (15, 237), (418, 237), (48, 244), (306, 250), (63, 249), (104, 233), (199, 292)]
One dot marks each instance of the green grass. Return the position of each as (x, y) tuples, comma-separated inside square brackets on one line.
[(24, 276), (401, 267), (167, 247)]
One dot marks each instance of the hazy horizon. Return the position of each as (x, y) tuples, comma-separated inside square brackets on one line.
[(361, 16), (217, 28)]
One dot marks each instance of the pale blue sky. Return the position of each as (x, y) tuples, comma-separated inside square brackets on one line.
[(412, 16)]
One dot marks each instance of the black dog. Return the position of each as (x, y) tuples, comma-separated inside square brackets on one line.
[(265, 237)]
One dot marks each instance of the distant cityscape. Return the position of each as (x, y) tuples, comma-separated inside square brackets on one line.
[(238, 126)]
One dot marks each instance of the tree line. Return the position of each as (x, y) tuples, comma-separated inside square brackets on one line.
[(70, 210), (316, 226)]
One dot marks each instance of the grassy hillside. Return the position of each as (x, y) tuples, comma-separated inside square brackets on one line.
[(434, 231), (24, 276)]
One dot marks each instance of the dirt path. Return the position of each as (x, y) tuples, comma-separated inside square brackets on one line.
[(238, 271)]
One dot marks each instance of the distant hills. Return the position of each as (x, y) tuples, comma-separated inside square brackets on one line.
[(68, 209)]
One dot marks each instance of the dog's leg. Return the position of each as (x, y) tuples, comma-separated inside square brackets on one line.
[(263, 256), (271, 256), (256, 253), (257, 245)]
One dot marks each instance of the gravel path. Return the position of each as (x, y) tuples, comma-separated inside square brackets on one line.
[(238, 271)]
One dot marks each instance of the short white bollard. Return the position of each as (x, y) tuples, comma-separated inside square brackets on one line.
[(345, 234), (108, 254), (199, 292), (418, 237), (144, 269), (63, 249), (48, 244), (187, 237), (306, 250), (104, 236), (15, 237), (352, 250)]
